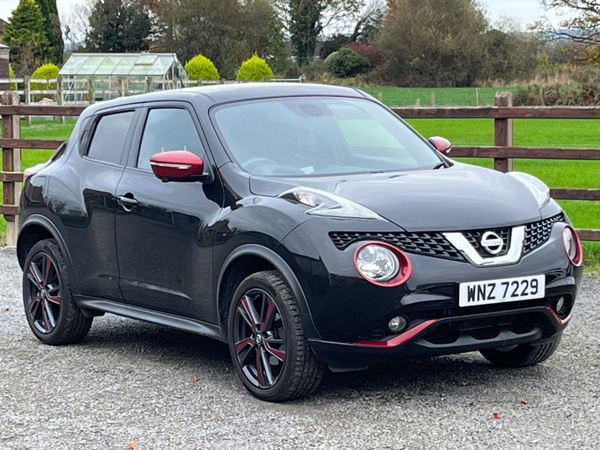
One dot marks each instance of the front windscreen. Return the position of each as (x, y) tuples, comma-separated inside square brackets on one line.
[(299, 136)]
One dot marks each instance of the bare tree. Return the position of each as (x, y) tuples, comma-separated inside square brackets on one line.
[(75, 23), (583, 28)]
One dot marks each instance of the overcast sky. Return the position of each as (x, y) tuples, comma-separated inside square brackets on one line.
[(525, 11)]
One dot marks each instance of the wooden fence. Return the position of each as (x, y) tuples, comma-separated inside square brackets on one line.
[(502, 151)]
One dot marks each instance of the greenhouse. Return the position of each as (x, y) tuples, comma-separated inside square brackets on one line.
[(90, 77)]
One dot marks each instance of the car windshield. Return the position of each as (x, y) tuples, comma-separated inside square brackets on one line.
[(300, 136)]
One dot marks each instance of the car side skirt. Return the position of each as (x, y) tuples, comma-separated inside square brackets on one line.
[(148, 315)]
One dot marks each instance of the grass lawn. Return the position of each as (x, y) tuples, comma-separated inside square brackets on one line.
[(527, 132), (393, 96)]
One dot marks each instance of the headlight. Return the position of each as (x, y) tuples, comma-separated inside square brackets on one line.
[(537, 187), (330, 205), (572, 245), (382, 264)]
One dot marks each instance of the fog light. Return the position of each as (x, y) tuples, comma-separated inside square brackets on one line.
[(397, 324), (560, 304)]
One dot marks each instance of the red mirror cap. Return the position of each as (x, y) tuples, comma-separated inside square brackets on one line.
[(442, 145), (178, 165)]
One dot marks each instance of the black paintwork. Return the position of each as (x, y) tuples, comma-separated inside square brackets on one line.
[(166, 258)]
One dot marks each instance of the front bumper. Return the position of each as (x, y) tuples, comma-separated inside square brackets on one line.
[(352, 314), (449, 335)]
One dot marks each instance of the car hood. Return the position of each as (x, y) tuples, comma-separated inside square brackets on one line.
[(456, 198)]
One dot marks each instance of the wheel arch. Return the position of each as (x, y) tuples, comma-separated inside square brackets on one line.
[(36, 228), (251, 258)]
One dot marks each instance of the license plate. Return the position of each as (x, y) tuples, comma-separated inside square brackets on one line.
[(499, 291)]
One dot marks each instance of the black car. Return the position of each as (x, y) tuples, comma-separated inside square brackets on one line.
[(306, 226)]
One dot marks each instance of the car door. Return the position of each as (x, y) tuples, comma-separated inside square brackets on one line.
[(84, 198), (165, 256)]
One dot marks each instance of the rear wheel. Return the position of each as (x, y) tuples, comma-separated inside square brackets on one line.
[(521, 355), (269, 350), (51, 311)]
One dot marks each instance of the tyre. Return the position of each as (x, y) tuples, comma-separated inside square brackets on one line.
[(521, 355), (268, 347), (50, 309)]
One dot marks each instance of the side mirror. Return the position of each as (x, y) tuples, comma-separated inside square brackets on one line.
[(178, 165), (441, 144)]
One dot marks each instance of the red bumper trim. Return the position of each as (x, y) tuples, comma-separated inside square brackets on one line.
[(401, 338), (558, 319)]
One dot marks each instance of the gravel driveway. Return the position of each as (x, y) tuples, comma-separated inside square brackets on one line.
[(137, 385)]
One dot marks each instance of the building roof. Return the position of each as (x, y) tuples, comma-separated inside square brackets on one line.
[(122, 64)]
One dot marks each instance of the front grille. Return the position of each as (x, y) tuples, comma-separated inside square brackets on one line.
[(474, 238), (428, 244), (436, 245), (538, 233)]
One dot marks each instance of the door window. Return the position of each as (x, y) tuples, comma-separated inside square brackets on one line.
[(168, 129), (109, 138)]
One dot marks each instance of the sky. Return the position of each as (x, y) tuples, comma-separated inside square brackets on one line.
[(526, 11)]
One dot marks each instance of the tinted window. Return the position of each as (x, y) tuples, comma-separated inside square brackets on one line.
[(109, 138), (168, 129)]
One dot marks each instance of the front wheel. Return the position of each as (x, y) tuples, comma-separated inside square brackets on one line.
[(522, 355), (268, 347)]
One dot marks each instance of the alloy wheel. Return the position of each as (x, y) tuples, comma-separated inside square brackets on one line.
[(259, 334), (43, 293)]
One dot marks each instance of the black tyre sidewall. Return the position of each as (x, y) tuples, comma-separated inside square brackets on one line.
[(56, 336), (273, 393)]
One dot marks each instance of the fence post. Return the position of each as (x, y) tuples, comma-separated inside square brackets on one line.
[(478, 97), (148, 84), (59, 95), (91, 90), (11, 162), (503, 131), (432, 98), (121, 87), (27, 94)]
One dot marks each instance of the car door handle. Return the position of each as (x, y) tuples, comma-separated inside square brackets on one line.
[(127, 202)]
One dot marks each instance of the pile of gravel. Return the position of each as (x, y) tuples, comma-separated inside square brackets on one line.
[(137, 385)]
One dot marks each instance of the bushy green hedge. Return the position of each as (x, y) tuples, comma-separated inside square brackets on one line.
[(254, 69), (200, 67), (346, 63), (46, 71)]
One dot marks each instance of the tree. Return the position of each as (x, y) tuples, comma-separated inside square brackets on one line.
[(52, 31), (305, 20), (263, 33), (26, 37), (225, 31), (75, 23), (118, 26), (583, 29), (433, 42)]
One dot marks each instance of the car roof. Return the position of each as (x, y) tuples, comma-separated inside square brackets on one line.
[(224, 93)]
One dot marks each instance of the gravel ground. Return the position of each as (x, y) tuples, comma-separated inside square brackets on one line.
[(137, 385)]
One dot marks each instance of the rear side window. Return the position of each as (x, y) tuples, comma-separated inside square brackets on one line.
[(110, 136)]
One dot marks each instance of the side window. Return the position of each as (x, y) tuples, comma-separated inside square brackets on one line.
[(109, 137), (168, 129)]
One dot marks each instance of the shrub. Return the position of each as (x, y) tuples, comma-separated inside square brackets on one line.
[(254, 69), (369, 51), (346, 63), (46, 71), (200, 67)]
